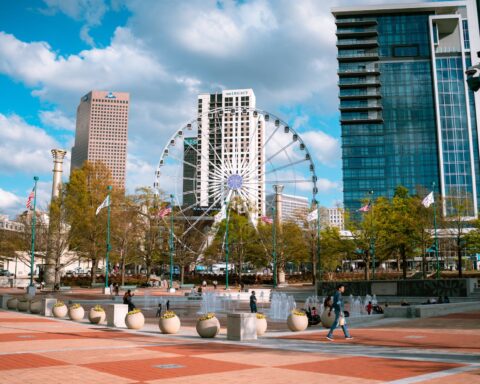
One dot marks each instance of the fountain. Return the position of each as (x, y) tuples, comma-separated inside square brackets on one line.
[(281, 305)]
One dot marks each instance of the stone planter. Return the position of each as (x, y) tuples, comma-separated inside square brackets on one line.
[(208, 328), (76, 314), (23, 305), (96, 317), (60, 311), (327, 321), (261, 326), (297, 323), (35, 306), (170, 325), (135, 321), (12, 303)]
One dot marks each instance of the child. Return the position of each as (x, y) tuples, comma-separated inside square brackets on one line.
[(369, 307)]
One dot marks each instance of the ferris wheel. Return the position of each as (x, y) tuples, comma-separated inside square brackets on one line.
[(229, 157)]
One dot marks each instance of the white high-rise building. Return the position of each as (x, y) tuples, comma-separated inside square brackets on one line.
[(230, 138), (294, 208)]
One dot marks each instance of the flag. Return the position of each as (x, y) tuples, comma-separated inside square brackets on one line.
[(165, 211), (266, 219), (105, 203), (312, 216), (365, 208), (30, 198), (428, 200)]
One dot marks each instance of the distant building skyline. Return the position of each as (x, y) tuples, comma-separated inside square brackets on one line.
[(407, 115), (102, 131)]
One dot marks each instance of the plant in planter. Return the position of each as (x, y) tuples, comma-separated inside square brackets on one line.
[(297, 321), (12, 303), (96, 314), (261, 324), (76, 312), (208, 326), (35, 306), (135, 319), (169, 322), (60, 310), (23, 304)]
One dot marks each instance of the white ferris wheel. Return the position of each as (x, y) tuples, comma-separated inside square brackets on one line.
[(230, 155)]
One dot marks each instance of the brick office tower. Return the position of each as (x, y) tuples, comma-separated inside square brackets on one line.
[(102, 132)]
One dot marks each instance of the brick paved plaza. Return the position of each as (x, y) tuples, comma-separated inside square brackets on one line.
[(434, 350)]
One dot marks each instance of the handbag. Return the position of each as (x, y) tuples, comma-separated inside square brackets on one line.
[(341, 320)]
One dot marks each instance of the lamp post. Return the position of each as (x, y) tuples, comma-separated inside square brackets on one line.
[(318, 250), (226, 245), (436, 237), (274, 247), (372, 236), (109, 189), (171, 243), (34, 221)]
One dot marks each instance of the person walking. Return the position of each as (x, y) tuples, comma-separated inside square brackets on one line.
[(337, 306), (253, 302)]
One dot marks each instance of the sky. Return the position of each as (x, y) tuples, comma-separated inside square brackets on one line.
[(164, 53)]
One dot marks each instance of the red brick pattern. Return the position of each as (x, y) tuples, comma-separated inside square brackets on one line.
[(26, 360)]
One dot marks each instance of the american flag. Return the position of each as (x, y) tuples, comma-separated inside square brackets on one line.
[(266, 219), (165, 211), (365, 208), (30, 198)]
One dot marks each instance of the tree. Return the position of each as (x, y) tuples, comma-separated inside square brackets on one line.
[(85, 191)]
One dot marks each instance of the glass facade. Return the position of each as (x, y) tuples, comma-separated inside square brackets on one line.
[(402, 84)]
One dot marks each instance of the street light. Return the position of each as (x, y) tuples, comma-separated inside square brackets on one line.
[(372, 236)]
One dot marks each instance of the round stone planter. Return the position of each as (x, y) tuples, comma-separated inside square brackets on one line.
[(261, 326), (327, 321), (76, 314), (297, 323), (135, 321), (35, 306), (12, 303), (60, 312), (23, 305), (208, 328), (170, 325), (96, 317)]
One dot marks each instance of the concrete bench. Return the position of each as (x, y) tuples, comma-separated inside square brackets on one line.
[(241, 326), (97, 285), (187, 286), (115, 314), (64, 288)]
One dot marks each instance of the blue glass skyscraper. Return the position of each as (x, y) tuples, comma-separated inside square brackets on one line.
[(406, 113)]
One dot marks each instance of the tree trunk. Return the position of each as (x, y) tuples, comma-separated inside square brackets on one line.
[(424, 267), (403, 254), (123, 256), (314, 266), (367, 266), (459, 256), (93, 277), (182, 273)]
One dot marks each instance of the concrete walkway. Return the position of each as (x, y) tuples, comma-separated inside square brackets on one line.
[(435, 350)]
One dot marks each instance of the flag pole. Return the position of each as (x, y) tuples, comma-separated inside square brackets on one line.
[(318, 250), (34, 221), (274, 249), (172, 249), (226, 246), (372, 238), (109, 189), (435, 227)]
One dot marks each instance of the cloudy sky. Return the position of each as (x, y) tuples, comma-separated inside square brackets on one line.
[(163, 53)]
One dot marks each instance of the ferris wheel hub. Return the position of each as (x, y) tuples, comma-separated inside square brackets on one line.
[(234, 182)]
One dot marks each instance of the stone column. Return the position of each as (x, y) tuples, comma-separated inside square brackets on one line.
[(58, 156)]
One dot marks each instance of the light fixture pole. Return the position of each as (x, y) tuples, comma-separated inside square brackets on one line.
[(372, 236), (274, 247), (34, 222), (318, 250), (226, 244), (109, 189), (435, 227), (172, 249)]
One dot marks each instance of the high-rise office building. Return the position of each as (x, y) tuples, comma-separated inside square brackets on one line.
[(189, 170), (407, 115), (294, 208), (230, 138), (102, 131)]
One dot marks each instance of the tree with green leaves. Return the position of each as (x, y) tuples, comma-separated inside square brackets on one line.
[(85, 191)]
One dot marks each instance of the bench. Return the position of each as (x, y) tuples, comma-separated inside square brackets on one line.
[(97, 285), (64, 288), (187, 286)]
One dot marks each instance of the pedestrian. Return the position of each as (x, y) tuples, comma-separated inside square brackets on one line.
[(253, 303), (369, 307), (204, 284), (215, 283), (116, 289), (337, 306), (168, 305), (159, 310), (127, 299)]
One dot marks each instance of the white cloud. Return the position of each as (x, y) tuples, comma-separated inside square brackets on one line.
[(325, 148), (24, 147), (57, 119), (325, 185), (8, 201)]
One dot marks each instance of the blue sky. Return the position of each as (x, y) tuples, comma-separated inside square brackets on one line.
[(164, 53)]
